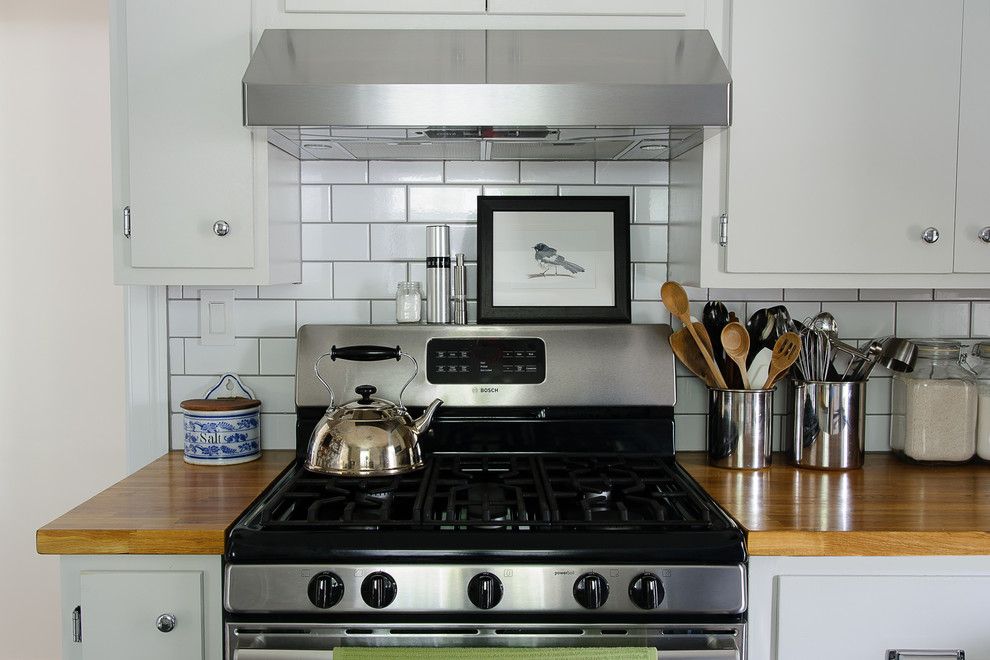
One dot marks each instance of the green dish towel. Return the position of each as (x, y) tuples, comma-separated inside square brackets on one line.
[(494, 653)]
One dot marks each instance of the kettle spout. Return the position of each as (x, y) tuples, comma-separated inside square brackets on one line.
[(423, 421)]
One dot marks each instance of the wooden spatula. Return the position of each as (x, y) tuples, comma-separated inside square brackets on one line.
[(687, 352), (785, 353), (675, 299)]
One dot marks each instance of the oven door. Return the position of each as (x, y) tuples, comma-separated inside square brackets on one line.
[(282, 641)]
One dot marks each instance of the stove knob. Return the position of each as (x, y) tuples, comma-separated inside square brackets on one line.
[(646, 591), (378, 590), (485, 591), (326, 589), (591, 591)]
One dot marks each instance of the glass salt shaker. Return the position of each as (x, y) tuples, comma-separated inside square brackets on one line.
[(933, 408), (982, 351), (408, 302)]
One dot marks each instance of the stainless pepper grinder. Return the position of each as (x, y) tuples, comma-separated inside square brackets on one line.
[(460, 291), (438, 274)]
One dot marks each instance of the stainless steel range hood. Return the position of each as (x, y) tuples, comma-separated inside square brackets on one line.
[(496, 94)]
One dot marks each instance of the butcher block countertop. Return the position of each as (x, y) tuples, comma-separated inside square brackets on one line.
[(886, 508), (168, 507)]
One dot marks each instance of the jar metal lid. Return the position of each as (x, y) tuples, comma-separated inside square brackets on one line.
[(938, 349), (982, 350)]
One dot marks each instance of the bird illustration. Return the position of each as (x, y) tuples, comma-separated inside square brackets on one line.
[(547, 257)]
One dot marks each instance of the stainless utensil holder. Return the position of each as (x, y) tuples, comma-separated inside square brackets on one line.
[(740, 428), (828, 425)]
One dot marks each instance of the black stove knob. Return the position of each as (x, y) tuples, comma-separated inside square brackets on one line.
[(646, 591), (591, 591), (378, 590), (485, 591), (326, 589)]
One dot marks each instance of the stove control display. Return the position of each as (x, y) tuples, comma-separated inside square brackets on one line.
[(485, 591), (646, 591), (378, 590), (591, 591), (325, 589), (486, 361)]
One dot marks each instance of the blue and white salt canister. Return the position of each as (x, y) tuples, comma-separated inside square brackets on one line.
[(224, 427)]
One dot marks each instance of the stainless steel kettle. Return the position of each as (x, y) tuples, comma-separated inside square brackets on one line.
[(368, 436)]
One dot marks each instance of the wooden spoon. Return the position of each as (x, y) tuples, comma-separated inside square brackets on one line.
[(735, 341), (785, 352), (687, 352), (676, 301)]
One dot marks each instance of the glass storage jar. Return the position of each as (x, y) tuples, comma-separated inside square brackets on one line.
[(982, 353), (933, 408), (408, 303)]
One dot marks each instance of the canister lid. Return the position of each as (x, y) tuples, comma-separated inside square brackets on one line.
[(935, 349), (219, 405), (982, 350)]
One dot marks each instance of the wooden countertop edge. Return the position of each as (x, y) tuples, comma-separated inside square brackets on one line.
[(809, 543), (130, 541)]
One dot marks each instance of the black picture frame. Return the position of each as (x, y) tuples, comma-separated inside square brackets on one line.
[(619, 312)]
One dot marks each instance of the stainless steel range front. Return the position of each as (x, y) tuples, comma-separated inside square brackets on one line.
[(550, 512)]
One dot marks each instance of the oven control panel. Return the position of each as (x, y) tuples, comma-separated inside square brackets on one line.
[(486, 361)]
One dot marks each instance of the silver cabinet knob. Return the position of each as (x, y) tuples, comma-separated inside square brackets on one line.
[(221, 228), (985, 234), (930, 235), (166, 623)]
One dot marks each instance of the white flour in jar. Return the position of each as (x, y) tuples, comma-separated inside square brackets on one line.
[(983, 423), (940, 419)]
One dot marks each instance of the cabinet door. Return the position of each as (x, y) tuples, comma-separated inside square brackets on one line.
[(596, 7), (120, 610), (972, 198), (190, 158), (842, 149), (387, 6), (824, 617)]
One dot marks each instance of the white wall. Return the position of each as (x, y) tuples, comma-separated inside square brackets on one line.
[(61, 318)]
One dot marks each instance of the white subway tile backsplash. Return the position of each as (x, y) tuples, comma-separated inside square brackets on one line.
[(359, 241), (505, 191), (368, 204), (647, 279), (650, 204), (333, 311), (240, 358), (264, 318), (333, 242), (625, 172), (334, 171), (557, 172), (398, 171), (317, 282), (981, 320), (467, 171), (367, 280), (315, 203), (933, 319), (183, 318), (440, 204)]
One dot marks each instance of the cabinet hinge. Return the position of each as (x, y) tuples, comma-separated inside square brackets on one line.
[(723, 229), (127, 222), (77, 624)]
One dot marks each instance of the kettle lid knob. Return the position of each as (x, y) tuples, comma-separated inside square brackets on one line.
[(365, 391)]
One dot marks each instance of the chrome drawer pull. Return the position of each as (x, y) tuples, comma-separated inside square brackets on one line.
[(909, 654)]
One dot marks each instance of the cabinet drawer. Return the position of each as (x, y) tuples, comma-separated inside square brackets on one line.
[(386, 6), (820, 617), (591, 7)]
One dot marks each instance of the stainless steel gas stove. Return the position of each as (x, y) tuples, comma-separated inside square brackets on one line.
[(551, 510)]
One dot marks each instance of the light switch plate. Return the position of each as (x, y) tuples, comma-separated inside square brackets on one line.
[(216, 317)]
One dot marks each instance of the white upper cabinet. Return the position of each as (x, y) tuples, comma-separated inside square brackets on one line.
[(973, 185), (387, 6), (190, 181), (842, 149)]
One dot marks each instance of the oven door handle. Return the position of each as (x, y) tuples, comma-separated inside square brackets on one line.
[(275, 654)]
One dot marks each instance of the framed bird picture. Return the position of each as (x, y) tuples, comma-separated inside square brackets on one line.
[(553, 260)]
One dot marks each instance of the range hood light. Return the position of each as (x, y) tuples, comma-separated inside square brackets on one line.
[(653, 147), (313, 145)]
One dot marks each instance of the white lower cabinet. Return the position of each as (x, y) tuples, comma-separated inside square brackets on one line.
[(158, 607), (861, 608)]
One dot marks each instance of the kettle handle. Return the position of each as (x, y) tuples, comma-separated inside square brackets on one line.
[(365, 354)]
